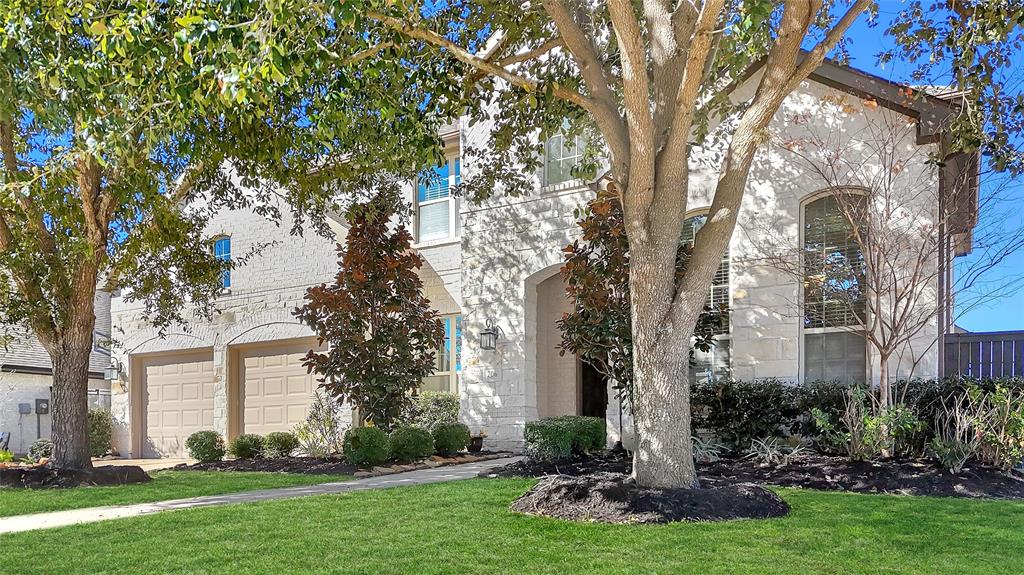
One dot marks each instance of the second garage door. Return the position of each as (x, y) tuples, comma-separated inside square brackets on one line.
[(277, 389), (178, 401)]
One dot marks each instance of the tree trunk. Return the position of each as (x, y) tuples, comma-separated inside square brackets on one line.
[(661, 413), (70, 403), (884, 403), (661, 392)]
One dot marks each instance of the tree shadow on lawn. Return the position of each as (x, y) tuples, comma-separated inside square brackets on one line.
[(465, 527)]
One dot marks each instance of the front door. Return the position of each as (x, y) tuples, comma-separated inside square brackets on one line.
[(593, 391)]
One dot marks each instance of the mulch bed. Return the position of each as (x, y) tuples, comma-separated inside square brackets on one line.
[(814, 471), (45, 476), (304, 465), (614, 498)]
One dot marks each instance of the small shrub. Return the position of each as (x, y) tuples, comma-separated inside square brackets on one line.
[(40, 449), (279, 444), (547, 441), (410, 443), (1000, 424), (6, 456), (365, 446), (864, 430), (101, 426), (706, 450), (321, 433), (766, 452), (952, 454), (450, 438), (205, 446), (432, 408), (246, 446)]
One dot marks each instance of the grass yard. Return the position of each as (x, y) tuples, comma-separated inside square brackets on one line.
[(465, 527), (165, 485)]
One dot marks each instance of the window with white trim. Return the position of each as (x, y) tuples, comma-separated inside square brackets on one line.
[(561, 155), (834, 294), (437, 211), (222, 251), (448, 362), (716, 362)]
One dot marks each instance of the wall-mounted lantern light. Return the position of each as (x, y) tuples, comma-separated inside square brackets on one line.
[(113, 373), (489, 336)]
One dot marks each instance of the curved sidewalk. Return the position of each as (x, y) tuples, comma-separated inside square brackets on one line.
[(35, 521)]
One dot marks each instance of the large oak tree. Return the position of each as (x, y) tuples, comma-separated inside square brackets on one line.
[(648, 82), (125, 124)]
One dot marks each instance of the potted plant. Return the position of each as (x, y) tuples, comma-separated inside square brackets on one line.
[(476, 442)]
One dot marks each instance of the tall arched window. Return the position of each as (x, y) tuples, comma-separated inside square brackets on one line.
[(715, 363), (834, 291)]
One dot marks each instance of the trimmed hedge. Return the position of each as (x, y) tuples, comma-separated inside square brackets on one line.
[(450, 438), (366, 446), (741, 411), (559, 437), (279, 444), (205, 446), (411, 443)]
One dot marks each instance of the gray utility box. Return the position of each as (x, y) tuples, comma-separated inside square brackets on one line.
[(24, 408), (42, 406)]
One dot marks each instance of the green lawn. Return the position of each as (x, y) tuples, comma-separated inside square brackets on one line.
[(465, 527), (165, 485)]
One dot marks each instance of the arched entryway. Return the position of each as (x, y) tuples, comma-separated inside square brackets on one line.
[(564, 384)]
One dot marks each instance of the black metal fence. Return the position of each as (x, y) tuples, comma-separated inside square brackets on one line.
[(985, 355)]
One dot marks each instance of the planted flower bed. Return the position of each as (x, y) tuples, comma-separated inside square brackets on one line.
[(809, 470)]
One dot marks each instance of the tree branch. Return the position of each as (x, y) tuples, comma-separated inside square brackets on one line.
[(470, 59), (606, 114)]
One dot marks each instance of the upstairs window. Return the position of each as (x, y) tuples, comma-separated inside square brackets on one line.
[(834, 293), (561, 155), (437, 211), (222, 251)]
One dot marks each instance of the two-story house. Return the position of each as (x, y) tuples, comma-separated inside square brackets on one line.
[(492, 268)]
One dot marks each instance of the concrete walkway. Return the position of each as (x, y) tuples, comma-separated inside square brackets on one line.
[(147, 465), (93, 514)]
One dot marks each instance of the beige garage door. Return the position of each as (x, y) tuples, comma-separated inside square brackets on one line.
[(178, 401), (278, 390)]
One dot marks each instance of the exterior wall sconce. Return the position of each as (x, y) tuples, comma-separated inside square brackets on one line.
[(113, 373), (489, 336)]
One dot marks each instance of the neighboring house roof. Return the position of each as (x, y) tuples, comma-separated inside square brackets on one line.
[(24, 353)]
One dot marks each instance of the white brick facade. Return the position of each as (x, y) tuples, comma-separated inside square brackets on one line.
[(503, 268)]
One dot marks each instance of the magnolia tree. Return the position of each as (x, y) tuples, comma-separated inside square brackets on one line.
[(599, 329), (878, 262), (646, 82), (381, 332), (124, 125)]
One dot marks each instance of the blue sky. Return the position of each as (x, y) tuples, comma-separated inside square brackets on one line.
[(1004, 313)]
